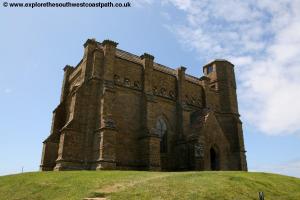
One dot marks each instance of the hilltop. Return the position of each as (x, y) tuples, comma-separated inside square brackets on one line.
[(73, 185)]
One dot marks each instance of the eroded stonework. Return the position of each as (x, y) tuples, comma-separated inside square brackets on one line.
[(122, 111)]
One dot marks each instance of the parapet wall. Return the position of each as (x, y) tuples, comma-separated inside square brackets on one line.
[(128, 73)]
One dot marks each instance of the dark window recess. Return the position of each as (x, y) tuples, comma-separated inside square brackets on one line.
[(161, 129), (213, 86), (195, 116), (164, 143), (209, 69)]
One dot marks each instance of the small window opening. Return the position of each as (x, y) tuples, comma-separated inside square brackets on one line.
[(209, 69)]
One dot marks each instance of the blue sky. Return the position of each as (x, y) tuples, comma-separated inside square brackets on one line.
[(260, 37)]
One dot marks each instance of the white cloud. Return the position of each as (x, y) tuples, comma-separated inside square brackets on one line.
[(291, 168), (261, 37), (242, 60)]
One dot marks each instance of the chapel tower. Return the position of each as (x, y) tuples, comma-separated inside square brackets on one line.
[(222, 80)]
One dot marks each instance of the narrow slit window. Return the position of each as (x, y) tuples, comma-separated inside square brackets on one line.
[(209, 69), (161, 128)]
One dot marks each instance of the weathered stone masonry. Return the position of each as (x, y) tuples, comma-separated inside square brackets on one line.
[(122, 111)]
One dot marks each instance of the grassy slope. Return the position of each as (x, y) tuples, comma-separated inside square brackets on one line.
[(148, 185)]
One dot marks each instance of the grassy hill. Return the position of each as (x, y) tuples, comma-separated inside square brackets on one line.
[(148, 185)]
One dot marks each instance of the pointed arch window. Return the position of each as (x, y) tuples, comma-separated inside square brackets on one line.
[(161, 128)]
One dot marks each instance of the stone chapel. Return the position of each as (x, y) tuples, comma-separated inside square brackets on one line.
[(122, 111)]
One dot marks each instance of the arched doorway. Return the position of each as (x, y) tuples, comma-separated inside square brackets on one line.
[(214, 159)]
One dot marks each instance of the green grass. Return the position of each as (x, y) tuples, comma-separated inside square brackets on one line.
[(148, 185)]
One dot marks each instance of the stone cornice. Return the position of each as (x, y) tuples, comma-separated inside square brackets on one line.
[(68, 67), (218, 60), (89, 41), (109, 42), (146, 55)]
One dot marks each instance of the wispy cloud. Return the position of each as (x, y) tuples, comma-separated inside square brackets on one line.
[(262, 39), (291, 168)]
